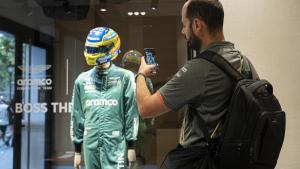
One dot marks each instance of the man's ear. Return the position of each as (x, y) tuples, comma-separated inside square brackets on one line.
[(198, 25)]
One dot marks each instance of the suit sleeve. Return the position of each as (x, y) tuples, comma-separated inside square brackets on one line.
[(131, 110), (77, 118)]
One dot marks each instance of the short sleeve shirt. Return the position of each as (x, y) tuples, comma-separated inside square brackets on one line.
[(205, 89)]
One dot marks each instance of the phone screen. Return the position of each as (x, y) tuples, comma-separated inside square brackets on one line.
[(150, 56)]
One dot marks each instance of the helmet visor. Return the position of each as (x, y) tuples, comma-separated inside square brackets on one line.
[(96, 50)]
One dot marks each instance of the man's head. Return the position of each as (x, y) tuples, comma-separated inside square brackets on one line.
[(102, 45), (202, 22)]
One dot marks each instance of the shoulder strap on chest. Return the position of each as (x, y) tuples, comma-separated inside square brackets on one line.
[(221, 63)]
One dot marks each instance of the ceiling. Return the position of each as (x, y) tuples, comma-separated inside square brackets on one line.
[(165, 7)]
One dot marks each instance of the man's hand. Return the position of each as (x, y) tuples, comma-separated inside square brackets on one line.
[(148, 70), (77, 161), (131, 158)]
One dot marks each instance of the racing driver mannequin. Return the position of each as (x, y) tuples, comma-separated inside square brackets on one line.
[(104, 117)]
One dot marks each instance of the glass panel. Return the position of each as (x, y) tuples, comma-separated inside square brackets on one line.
[(51, 37), (7, 74), (33, 131)]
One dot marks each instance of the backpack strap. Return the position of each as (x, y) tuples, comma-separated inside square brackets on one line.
[(227, 68), (221, 63)]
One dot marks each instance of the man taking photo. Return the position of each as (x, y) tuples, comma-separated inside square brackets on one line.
[(199, 84)]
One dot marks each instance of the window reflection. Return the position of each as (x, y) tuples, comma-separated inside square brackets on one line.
[(45, 141), (7, 74)]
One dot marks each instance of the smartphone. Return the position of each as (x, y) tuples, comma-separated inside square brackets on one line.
[(150, 56)]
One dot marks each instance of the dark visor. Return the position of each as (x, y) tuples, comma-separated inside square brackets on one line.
[(95, 50)]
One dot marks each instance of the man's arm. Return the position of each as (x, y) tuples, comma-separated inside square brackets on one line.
[(148, 105)]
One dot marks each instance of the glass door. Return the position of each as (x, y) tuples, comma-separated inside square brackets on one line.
[(7, 74), (33, 84)]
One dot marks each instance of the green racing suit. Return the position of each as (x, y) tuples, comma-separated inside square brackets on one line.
[(104, 116)]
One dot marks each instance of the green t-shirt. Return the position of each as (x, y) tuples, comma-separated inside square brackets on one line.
[(205, 89)]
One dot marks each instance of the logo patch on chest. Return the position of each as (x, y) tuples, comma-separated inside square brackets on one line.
[(113, 81), (101, 102)]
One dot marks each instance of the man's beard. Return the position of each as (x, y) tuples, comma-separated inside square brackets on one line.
[(194, 42)]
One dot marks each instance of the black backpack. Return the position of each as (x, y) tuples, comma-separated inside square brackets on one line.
[(252, 132)]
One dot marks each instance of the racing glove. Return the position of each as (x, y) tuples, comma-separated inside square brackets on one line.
[(77, 161), (77, 156)]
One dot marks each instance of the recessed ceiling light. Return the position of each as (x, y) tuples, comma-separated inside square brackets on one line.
[(130, 13), (136, 13), (103, 10), (143, 13), (153, 8)]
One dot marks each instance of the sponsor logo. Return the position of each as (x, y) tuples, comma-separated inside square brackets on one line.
[(86, 131), (44, 83), (120, 161), (93, 38), (113, 81), (114, 78), (89, 87), (34, 82), (115, 133), (34, 69), (101, 102), (135, 127)]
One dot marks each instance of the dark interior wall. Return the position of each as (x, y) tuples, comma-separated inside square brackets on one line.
[(161, 34)]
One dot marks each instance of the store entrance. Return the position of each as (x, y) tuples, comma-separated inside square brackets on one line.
[(26, 85), (33, 106)]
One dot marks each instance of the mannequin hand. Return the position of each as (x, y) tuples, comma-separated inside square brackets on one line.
[(130, 165), (77, 161), (131, 158)]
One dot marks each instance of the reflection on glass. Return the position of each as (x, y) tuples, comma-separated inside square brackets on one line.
[(139, 27), (30, 83), (7, 73)]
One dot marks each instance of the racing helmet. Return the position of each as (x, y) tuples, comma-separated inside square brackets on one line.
[(131, 60), (131, 56), (102, 45)]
